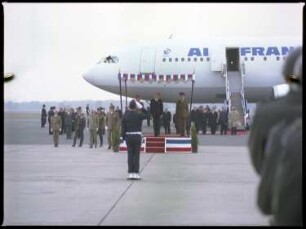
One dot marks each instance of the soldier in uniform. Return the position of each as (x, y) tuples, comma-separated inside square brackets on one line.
[(43, 116), (131, 132), (156, 109), (181, 114), (92, 125), (80, 124), (112, 121), (56, 126), (101, 125)]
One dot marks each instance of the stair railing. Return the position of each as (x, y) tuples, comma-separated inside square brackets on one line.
[(243, 101), (227, 89)]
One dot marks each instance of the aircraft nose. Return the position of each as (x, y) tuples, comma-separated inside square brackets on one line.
[(88, 75)]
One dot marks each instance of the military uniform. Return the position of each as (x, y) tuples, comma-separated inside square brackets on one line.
[(56, 125), (92, 124), (80, 124), (101, 126), (181, 115), (112, 122)]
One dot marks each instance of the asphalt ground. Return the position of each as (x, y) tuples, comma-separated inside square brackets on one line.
[(45, 185)]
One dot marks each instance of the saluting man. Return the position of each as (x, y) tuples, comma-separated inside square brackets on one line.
[(56, 126)]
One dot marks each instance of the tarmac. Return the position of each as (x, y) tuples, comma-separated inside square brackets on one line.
[(45, 185)]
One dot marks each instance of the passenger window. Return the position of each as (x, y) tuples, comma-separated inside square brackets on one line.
[(201, 59), (277, 58), (195, 59), (245, 58), (188, 59), (182, 59), (170, 59), (252, 58), (164, 59), (207, 58), (265, 58), (176, 59)]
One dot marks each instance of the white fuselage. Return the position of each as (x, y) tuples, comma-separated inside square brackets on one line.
[(207, 61)]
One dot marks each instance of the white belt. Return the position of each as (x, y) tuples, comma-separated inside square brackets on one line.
[(134, 133)]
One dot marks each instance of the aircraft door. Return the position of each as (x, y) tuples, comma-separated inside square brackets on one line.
[(232, 59), (147, 63)]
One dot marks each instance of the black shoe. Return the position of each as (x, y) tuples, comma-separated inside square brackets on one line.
[(73, 145), (80, 145), (109, 147), (90, 147)]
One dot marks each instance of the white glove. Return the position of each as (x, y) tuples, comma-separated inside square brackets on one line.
[(138, 105)]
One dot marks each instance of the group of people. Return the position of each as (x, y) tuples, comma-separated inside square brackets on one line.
[(73, 123), (207, 117), (275, 146)]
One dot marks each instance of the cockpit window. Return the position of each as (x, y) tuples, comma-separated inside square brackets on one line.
[(110, 59)]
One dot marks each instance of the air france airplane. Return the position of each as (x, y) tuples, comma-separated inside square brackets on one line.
[(211, 71)]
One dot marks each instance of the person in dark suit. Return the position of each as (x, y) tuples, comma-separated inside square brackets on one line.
[(43, 116), (156, 108), (80, 124), (223, 121), (279, 191), (287, 195), (166, 121), (273, 111), (50, 114)]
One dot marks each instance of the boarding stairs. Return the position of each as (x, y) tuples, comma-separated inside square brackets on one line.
[(236, 95)]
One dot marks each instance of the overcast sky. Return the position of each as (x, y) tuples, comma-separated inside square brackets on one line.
[(49, 45)]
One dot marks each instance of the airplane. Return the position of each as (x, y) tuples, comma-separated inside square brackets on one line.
[(234, 71)]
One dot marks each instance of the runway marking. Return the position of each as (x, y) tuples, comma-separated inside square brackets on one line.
[(120, 197)]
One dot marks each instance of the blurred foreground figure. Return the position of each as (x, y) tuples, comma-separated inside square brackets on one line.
[(270, 112), (280, 187)]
